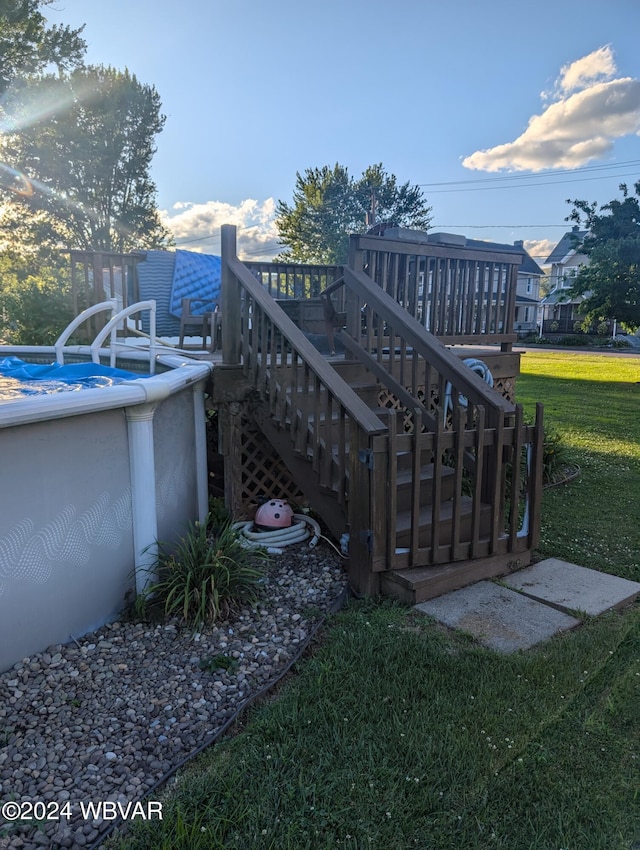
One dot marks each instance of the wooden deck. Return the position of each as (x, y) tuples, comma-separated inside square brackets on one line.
[(431, 476)]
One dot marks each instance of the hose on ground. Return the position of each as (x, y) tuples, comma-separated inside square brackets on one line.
[(275, 540)]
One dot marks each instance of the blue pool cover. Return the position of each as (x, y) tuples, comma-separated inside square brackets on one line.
[(19, 379)]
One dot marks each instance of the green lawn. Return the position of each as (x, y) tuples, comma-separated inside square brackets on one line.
[(594, 402), (398, 734)]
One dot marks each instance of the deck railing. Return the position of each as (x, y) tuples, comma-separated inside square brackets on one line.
[(98, 276), (311, 407), (461, 295), (473, 437), (448, 416), (291, 280)]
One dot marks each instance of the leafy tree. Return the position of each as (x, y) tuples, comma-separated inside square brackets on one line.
[(77, 174), (28, 45), (35, 302), (329, 204), (610, 283)]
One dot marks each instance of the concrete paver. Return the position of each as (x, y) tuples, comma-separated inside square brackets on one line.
[(499, 618), (569, 587)]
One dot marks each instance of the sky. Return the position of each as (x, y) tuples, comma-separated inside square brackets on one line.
[(500, 110)]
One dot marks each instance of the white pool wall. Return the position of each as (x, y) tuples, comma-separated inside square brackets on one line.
[(90, 481)]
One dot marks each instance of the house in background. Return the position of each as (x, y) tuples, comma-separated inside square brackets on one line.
[(527, 293), (560, 310), (529, 277)]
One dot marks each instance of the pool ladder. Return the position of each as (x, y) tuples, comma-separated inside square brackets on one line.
[(110, 330)]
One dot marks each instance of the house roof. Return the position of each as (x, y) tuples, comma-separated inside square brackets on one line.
[(528, 266), (567, 244), (523, 301), (561, 296)]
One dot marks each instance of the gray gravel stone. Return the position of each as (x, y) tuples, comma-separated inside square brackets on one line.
[(106, 718)]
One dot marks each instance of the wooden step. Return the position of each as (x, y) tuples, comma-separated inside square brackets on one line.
[(416, 585), (352, 372), (404, 481), (369, 393), (403, 523)]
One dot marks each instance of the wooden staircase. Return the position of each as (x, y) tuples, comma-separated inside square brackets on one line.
[(417, 481), (437, 488)]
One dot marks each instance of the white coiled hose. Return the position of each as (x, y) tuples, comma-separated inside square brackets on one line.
[(480, 369), (275, 540)]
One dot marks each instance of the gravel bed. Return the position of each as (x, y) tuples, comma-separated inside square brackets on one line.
[(105, 719)]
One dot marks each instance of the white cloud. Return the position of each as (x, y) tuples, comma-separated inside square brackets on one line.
[(595, 67), (591, 111), (196, 227), (539, 249)]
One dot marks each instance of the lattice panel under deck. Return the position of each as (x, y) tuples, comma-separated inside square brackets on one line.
[(503, 386), (506, 387), (264, 475)]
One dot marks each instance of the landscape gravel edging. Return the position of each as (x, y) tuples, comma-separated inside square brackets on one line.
[(114, 714)]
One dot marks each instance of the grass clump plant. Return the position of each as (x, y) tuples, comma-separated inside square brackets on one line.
[(555, 459), (207, 575)]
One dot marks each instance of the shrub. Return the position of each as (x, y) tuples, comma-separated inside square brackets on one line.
[(207, 575), (554, 326), (34, 310), (554, 455), (572, 339)]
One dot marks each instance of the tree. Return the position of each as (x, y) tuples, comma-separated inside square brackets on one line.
[(328, 205), (75, 172), (28, 45), (610, 283), (35, 302)]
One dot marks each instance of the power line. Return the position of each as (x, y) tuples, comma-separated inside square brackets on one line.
[(505, 226), (198, 239), (525, 185), (507, 178)]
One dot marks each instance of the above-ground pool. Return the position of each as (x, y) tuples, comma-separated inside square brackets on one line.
[(91, 481), (21, 379)]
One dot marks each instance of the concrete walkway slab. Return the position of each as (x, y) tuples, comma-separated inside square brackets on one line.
[(498, 617), (569, 587)]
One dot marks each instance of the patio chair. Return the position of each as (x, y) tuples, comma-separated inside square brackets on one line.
[(207, 323)]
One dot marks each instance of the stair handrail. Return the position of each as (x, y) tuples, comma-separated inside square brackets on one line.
[(355, 407), (462, 379)]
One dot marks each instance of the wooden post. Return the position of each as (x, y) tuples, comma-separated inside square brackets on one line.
[(231, 300), (352, 303), (231, 440), (535, 483), (382, 547), (361, 576), (510, 312)]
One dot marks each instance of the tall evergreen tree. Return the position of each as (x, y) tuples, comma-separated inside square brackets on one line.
[(329, 204)]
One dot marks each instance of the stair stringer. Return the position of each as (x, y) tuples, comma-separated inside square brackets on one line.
[(321, 499)]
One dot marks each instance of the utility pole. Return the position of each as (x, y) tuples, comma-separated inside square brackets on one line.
[(371, 215)]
